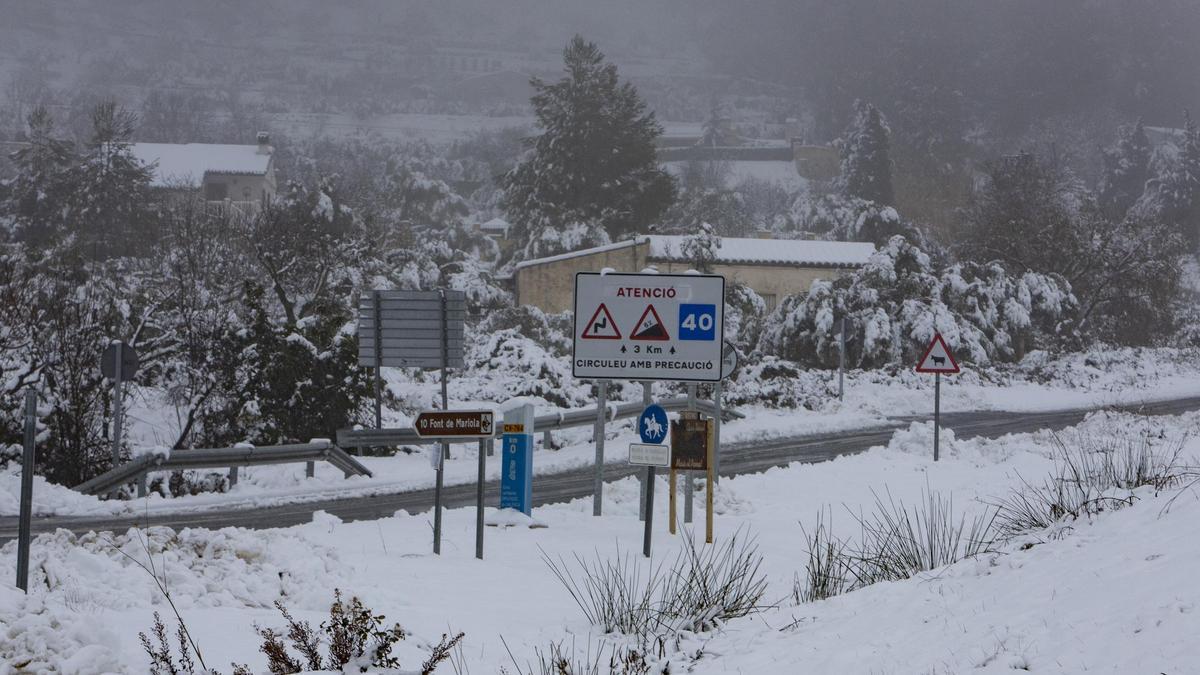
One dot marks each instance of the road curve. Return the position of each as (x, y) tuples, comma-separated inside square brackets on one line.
[(738, 458)]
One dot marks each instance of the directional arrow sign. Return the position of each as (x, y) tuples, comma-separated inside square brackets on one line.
[(455, 424)]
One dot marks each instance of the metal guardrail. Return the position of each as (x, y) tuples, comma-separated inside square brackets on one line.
[(218, 458), (361, 438)]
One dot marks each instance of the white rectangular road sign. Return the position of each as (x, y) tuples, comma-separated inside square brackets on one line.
[(645, 454), (648, 326)]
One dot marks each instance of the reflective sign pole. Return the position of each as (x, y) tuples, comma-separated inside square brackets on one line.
[(601, 413), (937, 412), (647, 399)]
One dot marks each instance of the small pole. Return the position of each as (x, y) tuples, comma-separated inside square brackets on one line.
[(444, 452), (647, 399), (483, 446), (937, 412), (648, 507), (601, 414), (310, 469), (716, 471), (233, 476), (24, 527), (689, 486), (117, 405), (378, 304), (671, 509), (708, 492), (842, 361), (437, 506)]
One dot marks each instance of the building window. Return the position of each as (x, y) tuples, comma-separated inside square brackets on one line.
[(771, 301), (215, 192)]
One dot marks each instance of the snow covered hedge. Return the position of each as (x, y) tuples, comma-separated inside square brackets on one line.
[(898, 301)]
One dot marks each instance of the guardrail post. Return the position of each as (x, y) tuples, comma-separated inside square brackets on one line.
[(310, 469), (547, 440), (24, 526), (233, 476)]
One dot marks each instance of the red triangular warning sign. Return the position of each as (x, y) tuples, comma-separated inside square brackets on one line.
[(601, 326), (937, 358), (650, 326)]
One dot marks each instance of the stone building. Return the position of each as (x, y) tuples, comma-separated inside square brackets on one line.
[(773, 268)]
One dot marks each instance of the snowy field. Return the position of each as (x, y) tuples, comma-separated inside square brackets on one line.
[(873, 399), (1025, 606)]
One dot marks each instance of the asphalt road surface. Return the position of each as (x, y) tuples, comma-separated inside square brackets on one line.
[(737, 458)]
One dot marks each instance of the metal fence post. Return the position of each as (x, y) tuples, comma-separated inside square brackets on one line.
[(24, 527)]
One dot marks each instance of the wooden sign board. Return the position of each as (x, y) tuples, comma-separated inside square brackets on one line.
[(455, 424), (689, 444)]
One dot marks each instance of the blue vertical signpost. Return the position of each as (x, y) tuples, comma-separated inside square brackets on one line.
[(516, 480), (652, 427)]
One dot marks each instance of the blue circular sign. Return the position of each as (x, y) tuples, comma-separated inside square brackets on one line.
[(652, 424)]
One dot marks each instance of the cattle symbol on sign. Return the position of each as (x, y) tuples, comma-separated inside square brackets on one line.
[(937, 358), (601, 326), (650, 326)]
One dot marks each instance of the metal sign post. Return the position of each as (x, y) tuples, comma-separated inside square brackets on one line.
[(937, 360), (24, 526), (117, 405), (598, 437), (377, 324), (689, 486), (119, 363), (479, 499), (647, 400), (447, 425)]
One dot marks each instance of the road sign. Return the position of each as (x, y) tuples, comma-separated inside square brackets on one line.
[(516, 460), (689, 443), (129, 361), (937, 358), (653, 425), (648, 326), (411, 331), (455, 424), (729, 361), (601, 326), (650, 454)]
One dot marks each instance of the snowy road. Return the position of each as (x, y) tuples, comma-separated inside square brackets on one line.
[(736, 459)]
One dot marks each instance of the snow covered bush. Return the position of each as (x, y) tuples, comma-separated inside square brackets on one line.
[(898, 301), (511, 365), (744, 313)]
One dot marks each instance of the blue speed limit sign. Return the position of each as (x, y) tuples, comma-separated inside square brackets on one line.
[(697, 322)]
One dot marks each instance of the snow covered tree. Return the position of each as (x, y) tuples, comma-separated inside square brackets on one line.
[(1126, 170), (109, 199), (899, 300), (717, 129), (1173, 194), (839, 218), (595, 160), (866, 157), (33, 200), (701, 248)]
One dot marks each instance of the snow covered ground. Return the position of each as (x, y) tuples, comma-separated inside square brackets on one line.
[(1114, 594), (873, 398)]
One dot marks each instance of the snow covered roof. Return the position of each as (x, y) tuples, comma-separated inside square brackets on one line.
[(495, 225), (769, 251), (733, 250), (184, 164)]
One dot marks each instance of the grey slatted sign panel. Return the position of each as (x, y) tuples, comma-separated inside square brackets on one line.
[(411, 327)]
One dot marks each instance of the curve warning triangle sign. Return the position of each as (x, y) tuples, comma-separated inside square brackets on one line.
[(650, 326), (937, 358), (601, 326)]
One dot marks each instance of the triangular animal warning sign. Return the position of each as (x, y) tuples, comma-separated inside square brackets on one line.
[(937, 358), (650, 326), (601, 326)]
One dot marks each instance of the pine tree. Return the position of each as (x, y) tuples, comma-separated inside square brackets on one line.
[(110, 192), (1172, 196), (866, 157), (595, 161), (33, 201), (1126, 170)]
